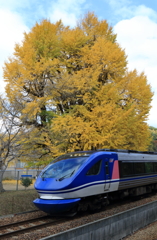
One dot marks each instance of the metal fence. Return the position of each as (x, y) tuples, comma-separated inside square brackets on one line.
[(17, 174)]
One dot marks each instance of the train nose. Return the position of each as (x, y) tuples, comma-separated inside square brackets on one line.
[(54, 207)]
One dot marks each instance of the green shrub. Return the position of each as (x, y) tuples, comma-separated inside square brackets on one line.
[(26, 182)]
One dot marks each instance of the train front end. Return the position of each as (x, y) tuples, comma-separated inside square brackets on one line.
[(55, 182)]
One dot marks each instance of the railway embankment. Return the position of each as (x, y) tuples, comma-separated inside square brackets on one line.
[(115, 227)]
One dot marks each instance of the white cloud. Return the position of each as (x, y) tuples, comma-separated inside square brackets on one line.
[(142, 10), (119, 3), (138, 36), (130, 8), (68, 11), (132, 11), (67, 19), (12, 29)]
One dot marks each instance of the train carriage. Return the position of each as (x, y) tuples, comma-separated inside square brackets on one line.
[(90, 179)]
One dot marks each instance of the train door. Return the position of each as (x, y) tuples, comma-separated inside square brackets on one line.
[(107, 174)]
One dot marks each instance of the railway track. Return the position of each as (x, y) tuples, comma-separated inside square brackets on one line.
[(17, 228), (32, 226)]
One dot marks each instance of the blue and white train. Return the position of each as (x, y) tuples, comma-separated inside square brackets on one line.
[(90, 179)]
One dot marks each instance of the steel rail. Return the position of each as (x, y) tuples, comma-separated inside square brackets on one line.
[(12, 232), (23, 222)]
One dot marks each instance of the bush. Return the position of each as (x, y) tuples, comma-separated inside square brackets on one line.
[(26, 182)]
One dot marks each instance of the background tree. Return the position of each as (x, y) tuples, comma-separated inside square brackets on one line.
[(73, 91), (153, 143), (9, 137)]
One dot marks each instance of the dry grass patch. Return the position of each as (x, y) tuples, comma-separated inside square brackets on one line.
[(15, 181), (12, 202)]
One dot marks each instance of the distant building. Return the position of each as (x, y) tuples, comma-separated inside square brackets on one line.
[(16, 164)]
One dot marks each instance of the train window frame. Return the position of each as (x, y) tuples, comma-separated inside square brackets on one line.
[(145, 171), (90, 169)]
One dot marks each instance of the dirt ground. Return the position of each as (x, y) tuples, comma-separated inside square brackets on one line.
[(147, 233), (15, 185)]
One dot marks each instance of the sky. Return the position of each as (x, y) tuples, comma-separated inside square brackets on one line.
[(134, 22)]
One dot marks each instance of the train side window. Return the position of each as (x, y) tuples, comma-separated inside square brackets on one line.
[(139, 168), (95, 169), (126, 169), (155, 167), (148, 167)]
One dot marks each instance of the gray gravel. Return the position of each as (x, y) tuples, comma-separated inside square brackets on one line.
[(148, 233)]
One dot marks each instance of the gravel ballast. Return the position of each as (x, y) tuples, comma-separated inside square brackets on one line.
[(87, 218)]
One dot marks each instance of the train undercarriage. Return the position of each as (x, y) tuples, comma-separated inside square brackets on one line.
[(97, 202)]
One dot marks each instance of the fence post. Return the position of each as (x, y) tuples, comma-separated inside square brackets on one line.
[(17, 180)]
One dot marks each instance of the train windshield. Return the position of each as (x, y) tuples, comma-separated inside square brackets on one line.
[(65, 168)]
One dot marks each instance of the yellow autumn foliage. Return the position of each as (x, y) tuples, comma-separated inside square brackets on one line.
[(73, 90)]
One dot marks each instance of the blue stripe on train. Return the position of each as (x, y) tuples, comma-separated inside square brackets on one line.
[(96, 183)]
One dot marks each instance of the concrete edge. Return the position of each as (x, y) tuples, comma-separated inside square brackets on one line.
[(133, 210)]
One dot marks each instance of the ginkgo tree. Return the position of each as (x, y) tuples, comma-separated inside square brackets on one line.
[(73, 91)]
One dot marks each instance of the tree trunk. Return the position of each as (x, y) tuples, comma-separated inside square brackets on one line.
[(1, 178)]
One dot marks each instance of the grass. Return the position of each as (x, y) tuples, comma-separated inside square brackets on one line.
[(12, 202), (11, 181)]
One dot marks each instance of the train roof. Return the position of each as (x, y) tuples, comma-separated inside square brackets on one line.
[(112, 150), (122, 154), (127, 151), (126, 155)]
